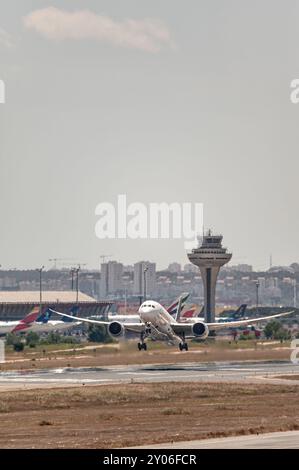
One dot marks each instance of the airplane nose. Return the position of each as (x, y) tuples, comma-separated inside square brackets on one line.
[(145, 309)]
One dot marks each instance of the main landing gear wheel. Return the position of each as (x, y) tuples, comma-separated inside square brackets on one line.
[(142, 346), (183, 346)]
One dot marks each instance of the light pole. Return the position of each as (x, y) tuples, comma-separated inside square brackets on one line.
[(257, 285), (77, 283), (40, 270), (295, 292), (72, 274), (144, 282)]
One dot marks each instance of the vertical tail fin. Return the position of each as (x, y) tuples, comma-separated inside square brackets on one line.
[(26, 322), (177, 306), (240, 312), (45, 317), (32, 315), (73, 311), (202, 311), (190, 312)]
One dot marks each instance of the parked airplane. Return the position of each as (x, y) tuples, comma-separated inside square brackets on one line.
[(156, 323), (38, 323), (19, 326), (44, 324), (239, 313)]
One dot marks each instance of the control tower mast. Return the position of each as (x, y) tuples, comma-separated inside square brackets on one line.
[(209, 257)]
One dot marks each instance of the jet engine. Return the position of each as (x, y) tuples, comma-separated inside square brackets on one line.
[(200, 330), (116, 329)]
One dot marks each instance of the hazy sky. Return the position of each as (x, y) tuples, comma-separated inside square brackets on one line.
[(160, 100)]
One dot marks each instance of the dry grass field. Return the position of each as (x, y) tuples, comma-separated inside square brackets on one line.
[(135, 414)]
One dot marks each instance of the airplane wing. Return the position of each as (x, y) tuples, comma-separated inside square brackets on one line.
[(135, 327), (95, 322), (186, 328), (235, 324)]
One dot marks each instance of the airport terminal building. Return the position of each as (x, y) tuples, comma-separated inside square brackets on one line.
[(15, 305)]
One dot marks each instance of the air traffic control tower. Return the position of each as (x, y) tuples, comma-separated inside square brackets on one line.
[(209, 257)]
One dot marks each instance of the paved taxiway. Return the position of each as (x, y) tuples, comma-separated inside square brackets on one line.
[(273, 440), (256, 372)]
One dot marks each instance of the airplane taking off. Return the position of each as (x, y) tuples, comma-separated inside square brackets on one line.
[(19, 326), (157, 324), (174, 309)]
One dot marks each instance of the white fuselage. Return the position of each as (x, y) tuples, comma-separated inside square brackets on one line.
[(52, 325), (159, 321), (7, 327), (37, 327)]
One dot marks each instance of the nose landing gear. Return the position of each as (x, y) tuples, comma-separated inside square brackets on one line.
[(183, 346), (142, 344)]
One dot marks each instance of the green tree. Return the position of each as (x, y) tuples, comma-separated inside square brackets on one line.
[(282, 335), (18, 346), (54, 338), (275, 330), (32, 339), (11, 339), (98, 334), (271, 329)]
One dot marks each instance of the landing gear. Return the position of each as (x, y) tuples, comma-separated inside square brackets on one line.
[(183, 346), (142, 344)]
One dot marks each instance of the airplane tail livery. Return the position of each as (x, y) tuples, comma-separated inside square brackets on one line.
[(74, 311), (240, 312), (190, 312), (177, 306), (46, 316), (28, 320)]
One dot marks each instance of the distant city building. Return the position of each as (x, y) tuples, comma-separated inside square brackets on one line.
[(190, 268), (128, 268), (174, 268), (139, 278), (295, 267), (275, 269), (111, 278), (242, 268), (276, 288)]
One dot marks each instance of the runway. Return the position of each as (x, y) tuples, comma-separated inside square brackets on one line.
[(274, 440), (254, 372)]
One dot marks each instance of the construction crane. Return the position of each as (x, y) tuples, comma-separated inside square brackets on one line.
[(55, 260), (62, 260)]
